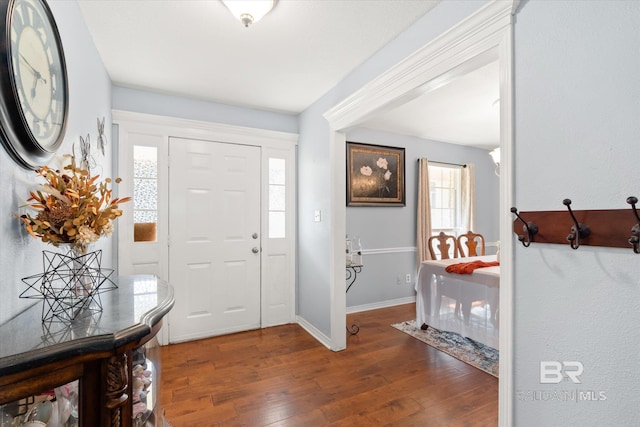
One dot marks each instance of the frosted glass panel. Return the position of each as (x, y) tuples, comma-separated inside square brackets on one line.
[(145, 162), (145, 216), (277, 225), (276, 171), (145, 193), (276, 198)]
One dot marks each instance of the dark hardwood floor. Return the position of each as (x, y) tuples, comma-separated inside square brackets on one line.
[(281, 376)]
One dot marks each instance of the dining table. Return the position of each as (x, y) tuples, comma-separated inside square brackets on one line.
[(467, 304)]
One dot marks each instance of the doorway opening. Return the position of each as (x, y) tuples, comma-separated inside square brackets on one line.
[(488, 29)]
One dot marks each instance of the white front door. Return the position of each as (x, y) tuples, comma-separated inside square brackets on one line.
[(215, 238)]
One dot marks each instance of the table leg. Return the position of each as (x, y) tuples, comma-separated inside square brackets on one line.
[(352, 275)]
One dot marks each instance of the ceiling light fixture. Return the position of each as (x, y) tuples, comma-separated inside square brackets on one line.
[(249, 11)]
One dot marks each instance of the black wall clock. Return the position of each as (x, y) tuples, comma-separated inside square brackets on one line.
[(33, 82)]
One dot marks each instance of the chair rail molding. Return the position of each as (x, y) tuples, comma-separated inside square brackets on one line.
[(382, 251)]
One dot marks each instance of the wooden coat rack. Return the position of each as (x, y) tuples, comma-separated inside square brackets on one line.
[(613, 228)]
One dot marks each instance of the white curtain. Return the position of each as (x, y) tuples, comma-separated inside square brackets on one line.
[(424, 212), (468, 198)]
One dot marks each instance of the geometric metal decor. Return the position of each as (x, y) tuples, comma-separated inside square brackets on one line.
[(70, 285)]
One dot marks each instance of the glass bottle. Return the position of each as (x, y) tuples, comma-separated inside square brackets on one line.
[(356, 251)]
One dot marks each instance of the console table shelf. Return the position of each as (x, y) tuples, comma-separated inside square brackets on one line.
[(97, 350)]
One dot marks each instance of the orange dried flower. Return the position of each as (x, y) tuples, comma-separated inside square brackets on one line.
[(72, 207)]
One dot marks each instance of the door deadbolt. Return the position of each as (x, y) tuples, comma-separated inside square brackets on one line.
[(254, 235)]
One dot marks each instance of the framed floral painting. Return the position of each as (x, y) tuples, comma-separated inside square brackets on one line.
[(375, 175)]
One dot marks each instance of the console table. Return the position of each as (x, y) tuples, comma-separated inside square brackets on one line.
[(103, 351)]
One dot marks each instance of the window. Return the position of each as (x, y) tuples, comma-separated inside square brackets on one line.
[(445, 187), (277, 199), (145, 193)]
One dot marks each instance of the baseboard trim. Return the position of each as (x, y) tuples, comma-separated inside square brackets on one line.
[(326, 341), (381, 304), (314, 332)]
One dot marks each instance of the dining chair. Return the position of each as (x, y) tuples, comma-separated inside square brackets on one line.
[(444, 245), (469, 243)]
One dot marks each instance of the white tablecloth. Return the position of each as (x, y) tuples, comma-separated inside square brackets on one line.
[(463, 303)]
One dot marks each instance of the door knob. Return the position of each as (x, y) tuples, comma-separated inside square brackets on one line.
[(255, 250)]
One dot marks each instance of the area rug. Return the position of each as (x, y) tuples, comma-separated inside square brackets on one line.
[(467, 350)]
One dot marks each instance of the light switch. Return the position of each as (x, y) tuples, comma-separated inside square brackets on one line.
[(317, 215)]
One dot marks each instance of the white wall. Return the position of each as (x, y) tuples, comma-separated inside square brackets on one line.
[(89, 98), (173, 106), (384, 228), (314, 180), (577, 85)]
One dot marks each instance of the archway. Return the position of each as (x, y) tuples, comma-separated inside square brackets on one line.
[(460, 47)]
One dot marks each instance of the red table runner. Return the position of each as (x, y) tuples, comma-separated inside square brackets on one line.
[(469, 267)]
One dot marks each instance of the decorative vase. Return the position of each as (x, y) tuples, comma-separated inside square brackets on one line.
[(81, 264)]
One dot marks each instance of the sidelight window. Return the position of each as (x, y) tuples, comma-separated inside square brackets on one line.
[(145, 193), (277, 198)]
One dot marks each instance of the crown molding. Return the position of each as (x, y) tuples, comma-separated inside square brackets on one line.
[(188, 128), (468, 41)]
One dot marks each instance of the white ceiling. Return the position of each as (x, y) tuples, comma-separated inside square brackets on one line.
[(465, 111), (283, 63)]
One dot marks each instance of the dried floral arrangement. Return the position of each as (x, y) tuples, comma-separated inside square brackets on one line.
[(73, 207)]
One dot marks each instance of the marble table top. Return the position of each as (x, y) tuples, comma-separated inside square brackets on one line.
[(128, 314)]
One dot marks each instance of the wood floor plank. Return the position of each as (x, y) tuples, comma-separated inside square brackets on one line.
[(393, 410), (281, 377), (314, 417)]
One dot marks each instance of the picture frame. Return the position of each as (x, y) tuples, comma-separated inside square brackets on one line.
[(375, 175)]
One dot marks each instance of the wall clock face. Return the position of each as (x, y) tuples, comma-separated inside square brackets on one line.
[(33, 84)]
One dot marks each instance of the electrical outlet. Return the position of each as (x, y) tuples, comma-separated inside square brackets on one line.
[(407, 278)]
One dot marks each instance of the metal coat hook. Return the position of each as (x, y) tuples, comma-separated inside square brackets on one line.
[(529, 227), (634, 240), (578, 231)]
